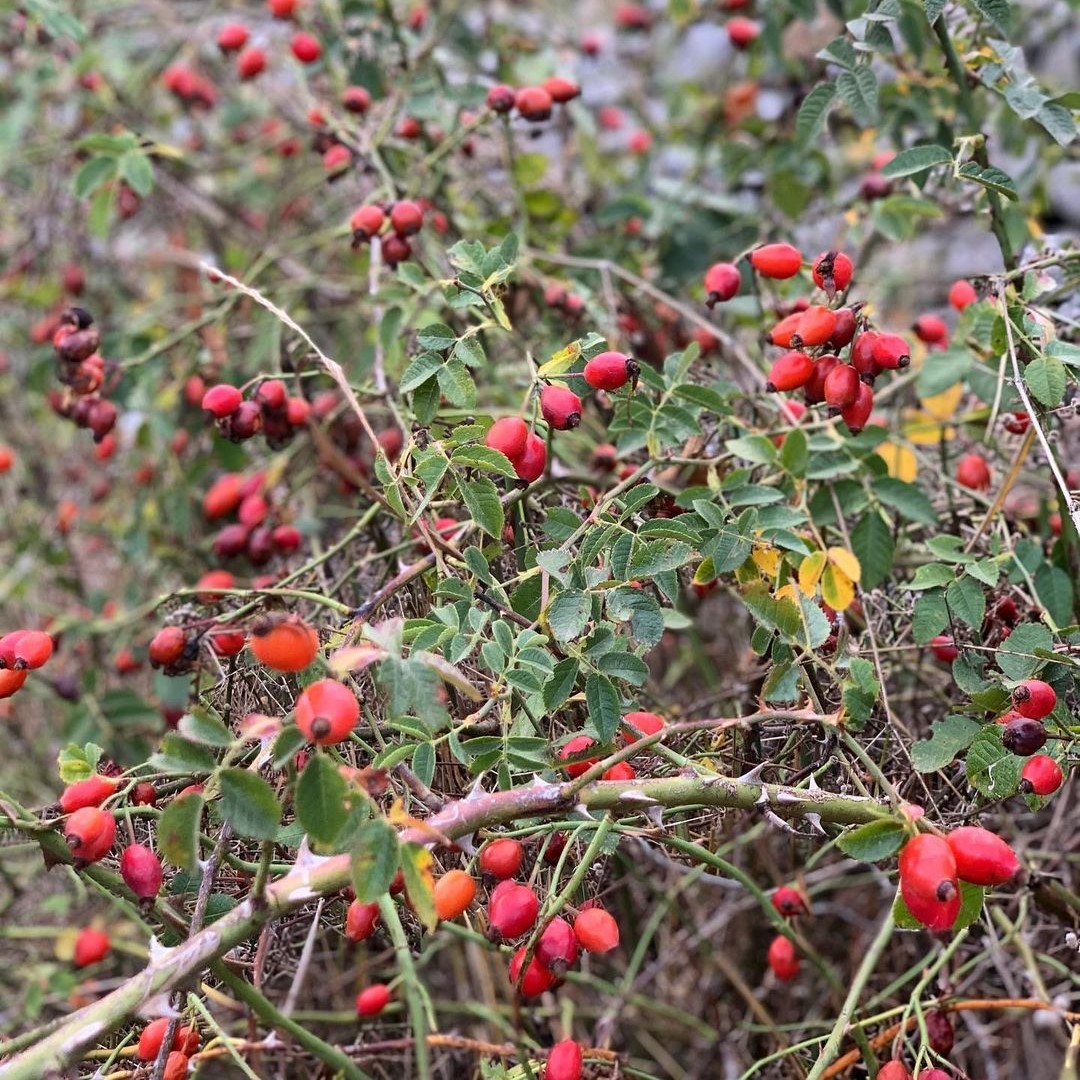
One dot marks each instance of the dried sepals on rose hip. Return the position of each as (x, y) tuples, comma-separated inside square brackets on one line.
[(789, 902), (1034, 699), (1041, 775), (90, 833)]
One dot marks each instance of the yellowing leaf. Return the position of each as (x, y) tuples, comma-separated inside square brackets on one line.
[(561, 362), (943, 406), (788, 592), (901, 462), (416, 864), (836, 589), (810, 571), (845, 562), (767, 560), (926, 430), (705, 571)]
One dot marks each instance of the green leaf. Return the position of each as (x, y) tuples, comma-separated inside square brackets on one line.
[(942, 370), (92, 174), (916, 159), (997, 11), (457, 384), (813, 111), (568, 614), (55, 19), (967, 601), (932, 576), (604, 705), (248, 804), (930, 616), (933, 8), (178, 757), (481, 496), (320, 799), (1016, 654), (641, 609), (907, 499), (948, 738), (436, 336), (874, 547), (795, 454), (874, 841), (178, 831), (1058, 121), (136, 169), (201, 726), (656, 556), (755, 448), (991, 769), (858, 89), (420, 369), (1045, 378), (839, 51), (990, 178), (560, 684), (374, 859), (78, 762), (1054, 590), (626, 666), (483, 457), (100, 213)]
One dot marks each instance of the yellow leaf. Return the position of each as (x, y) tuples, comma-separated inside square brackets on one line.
[(901, 462), (943, 406), (788, 592), (561, 362), (925, 430), (767, 560), (845, 562), (810, 572), (836, 589), (416, 862)]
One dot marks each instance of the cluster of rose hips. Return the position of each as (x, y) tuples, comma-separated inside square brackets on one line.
[(82, 371), (815, 335), (405, 217), (1023, 729), (635, 725), (21, 652), (1024, 732), (270, 410), (253, 535), (561, 409), (932, 867), (533, 103), (90, 832)]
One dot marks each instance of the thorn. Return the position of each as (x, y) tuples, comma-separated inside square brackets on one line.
[(753, 776)]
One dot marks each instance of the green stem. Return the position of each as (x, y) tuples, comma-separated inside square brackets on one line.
[(416, 994), (245, 992), (847, 1010)]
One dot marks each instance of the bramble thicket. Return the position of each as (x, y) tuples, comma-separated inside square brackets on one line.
[(539, 540)]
